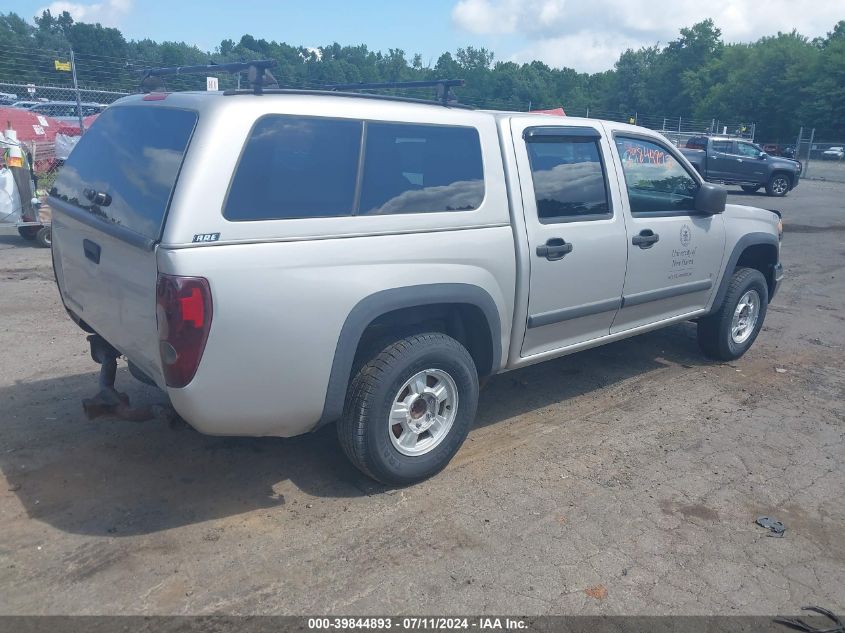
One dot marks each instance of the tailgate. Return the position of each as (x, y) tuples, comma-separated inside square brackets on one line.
[(109, 207)]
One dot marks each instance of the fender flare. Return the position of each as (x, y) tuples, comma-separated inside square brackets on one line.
[(384, 301), (780, 169), (749, 239)]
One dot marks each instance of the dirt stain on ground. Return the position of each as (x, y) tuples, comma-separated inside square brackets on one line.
[(689, 511)]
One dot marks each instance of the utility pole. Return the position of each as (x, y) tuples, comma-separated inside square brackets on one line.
[(76, 90)]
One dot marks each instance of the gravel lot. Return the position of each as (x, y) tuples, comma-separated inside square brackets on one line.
[(833, 170), (625, 479)]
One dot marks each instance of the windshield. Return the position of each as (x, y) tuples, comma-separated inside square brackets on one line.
[(124, 168)]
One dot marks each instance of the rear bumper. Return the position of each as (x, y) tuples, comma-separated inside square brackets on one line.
[(218, 410)]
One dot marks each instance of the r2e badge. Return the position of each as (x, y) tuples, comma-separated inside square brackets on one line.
[(206, 237)]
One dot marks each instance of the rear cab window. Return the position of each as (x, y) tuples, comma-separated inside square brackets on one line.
[(309, 167), (124, 168)]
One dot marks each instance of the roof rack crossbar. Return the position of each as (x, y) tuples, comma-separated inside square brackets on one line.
[(337, 93), (258, 73), (443, 86)]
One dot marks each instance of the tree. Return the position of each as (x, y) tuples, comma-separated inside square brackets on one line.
[(780, 82)]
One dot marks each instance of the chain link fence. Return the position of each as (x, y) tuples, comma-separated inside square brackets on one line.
[(52, 127), (822, 160), (46, 121), (43, 123)]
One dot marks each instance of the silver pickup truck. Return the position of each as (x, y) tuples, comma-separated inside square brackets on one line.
[(283, 261)]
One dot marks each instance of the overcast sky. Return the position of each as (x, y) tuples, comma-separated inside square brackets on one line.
[(587, 35)]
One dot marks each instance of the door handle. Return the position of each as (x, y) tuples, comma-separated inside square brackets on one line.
[(646, 239), (92, 250), (554, 249)]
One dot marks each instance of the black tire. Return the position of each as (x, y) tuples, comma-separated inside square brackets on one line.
[(714, 331), (364, 429), (751, 188), (779, 185), (44, 237), (28, 232)]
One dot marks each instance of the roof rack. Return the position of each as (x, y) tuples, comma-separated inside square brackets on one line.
[(260, 77), (258, 73), (443, 86), (339, 94)]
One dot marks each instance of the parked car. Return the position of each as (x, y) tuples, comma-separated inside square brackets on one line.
[(733, 161), (834, 153), (7, 98), (66, 111), (281, 262), (26, 105)]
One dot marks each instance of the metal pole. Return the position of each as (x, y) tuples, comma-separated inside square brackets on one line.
[(529, 106), (664, 124), (798, 143), (753, 131), (636, 119), (679, 127), (76, 90), (588, 112), (809, 150)]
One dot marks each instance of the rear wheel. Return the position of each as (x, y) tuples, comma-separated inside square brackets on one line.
[(409, 408), (728, 333), (44, 237), (778, 185), (750, 188), (28, 232)]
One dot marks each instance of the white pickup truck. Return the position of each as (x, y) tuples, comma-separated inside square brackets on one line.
[(276, 262)]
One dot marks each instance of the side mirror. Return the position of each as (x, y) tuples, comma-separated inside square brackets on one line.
[(711, 198), (762, 155)]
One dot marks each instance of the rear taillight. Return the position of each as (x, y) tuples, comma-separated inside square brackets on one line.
[(183, 311)]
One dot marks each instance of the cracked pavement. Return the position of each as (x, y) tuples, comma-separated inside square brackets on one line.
[(621, 480)]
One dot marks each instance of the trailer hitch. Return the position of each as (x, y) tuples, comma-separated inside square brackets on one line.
[(110, 401)]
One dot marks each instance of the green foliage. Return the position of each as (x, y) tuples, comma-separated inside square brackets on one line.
[(781, 82)]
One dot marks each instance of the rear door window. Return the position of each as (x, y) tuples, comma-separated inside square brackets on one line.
[(569, 180), (124, 168)]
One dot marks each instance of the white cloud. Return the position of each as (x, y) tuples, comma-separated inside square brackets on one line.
[(589, 35), (107, 12)]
